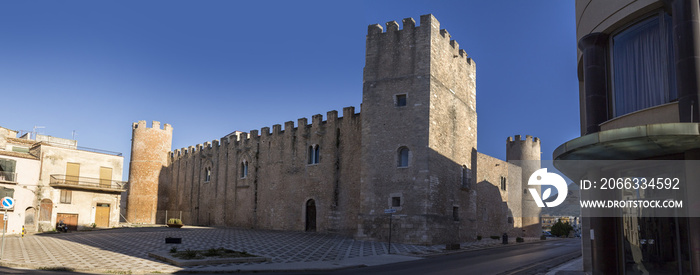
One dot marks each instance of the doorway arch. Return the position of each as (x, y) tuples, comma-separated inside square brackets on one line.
[(29, 222), (311, 215)]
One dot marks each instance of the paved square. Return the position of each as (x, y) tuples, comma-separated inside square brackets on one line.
[(127, 248)]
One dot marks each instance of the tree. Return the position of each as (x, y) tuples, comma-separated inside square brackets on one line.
[(561, 229)]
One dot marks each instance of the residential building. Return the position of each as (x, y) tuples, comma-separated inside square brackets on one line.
[(639, 79), (53, 179)]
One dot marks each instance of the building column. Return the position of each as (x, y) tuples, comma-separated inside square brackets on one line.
[(686, 47), (593, 48)]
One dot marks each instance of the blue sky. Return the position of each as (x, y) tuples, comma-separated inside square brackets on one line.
[(211, 67)]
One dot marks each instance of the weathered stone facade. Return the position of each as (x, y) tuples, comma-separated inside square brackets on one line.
[(413, 149)]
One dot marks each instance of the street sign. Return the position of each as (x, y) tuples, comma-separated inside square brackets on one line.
[(7, 202), (389, 211)]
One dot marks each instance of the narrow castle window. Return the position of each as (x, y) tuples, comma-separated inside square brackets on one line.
[(395, 201), (455, 213), (503, 183), (207, 174), (466, 177), (403, 157), (314, 155), (244, 169), (400, 100)]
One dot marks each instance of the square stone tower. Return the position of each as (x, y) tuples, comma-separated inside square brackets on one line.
[(418, 134)]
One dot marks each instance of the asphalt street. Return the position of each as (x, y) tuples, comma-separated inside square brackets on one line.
[(502, 260)]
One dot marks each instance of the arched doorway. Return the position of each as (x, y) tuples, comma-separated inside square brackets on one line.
[(29, 223), (311, 215)]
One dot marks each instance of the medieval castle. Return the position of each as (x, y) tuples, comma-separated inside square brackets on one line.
[(411, 150)]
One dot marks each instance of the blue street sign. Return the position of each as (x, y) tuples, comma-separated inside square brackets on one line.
[(7, 202)]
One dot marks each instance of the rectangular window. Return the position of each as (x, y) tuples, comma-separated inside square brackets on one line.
[(7, 170), (643, 69), (401, 100), (66, 196), (395, 201), (466, 177), (503, 183)]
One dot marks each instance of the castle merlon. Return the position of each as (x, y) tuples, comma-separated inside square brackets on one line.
[(141, 124), (408, 24), (528, 138)]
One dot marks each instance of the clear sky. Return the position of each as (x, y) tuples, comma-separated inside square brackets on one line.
[(211, 67)]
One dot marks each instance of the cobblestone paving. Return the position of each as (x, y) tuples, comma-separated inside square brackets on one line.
[(127, 248)]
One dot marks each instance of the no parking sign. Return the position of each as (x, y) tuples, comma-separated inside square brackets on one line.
[(7, 203)]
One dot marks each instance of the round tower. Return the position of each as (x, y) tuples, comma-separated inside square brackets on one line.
[(526, 154), (149, 155)]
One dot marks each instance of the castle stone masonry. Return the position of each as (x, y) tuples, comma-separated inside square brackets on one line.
[(413, 149)]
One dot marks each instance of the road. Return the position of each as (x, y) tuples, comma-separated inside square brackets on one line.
[(505, 260)]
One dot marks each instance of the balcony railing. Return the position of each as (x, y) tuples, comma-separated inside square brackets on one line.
[(8, 177), (65, 181)]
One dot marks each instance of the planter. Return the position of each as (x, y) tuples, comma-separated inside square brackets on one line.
[(173, 240), (176, 225)]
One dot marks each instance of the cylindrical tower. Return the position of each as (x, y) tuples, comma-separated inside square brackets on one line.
[(526, 154), (149, 155)]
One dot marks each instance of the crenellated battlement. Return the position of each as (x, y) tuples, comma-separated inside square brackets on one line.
[(518, 138), (154, 125), (394, 52), (238, 139)]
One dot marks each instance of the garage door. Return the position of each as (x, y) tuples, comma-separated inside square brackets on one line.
[(70, 219)]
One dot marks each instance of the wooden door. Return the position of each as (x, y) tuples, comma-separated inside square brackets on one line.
[(69, 219), (102, 215), (105, 177), (72, 173)]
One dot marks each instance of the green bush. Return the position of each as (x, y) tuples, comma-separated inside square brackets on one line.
[(560, 229), (478, 238), (519, 240), (174, 221), (543, 237), (496, 237)]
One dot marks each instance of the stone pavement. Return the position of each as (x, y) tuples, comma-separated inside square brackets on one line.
[(126, 249)]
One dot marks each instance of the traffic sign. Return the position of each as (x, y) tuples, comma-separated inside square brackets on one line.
[(389, 211), (7, 202)]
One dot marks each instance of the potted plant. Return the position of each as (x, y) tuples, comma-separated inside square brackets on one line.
[(175, 223)]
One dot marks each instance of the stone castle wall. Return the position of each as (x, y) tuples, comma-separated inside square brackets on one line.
[(279, 181)]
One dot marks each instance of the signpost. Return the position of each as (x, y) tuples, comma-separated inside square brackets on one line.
[(6, 203), (391, 213)]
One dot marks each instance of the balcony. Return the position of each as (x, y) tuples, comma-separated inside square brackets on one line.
[(85, 183), (8, 177)]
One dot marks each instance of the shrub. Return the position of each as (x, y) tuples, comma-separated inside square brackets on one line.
[(478, 237), (174, 221), (560, 229), (543, 237), (519, 240), (173, 250), (496, 237)]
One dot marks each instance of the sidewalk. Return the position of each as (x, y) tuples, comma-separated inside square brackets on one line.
[(573, 267), (126, 250)]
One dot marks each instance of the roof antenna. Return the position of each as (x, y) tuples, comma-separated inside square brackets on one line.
[(34, 132)]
